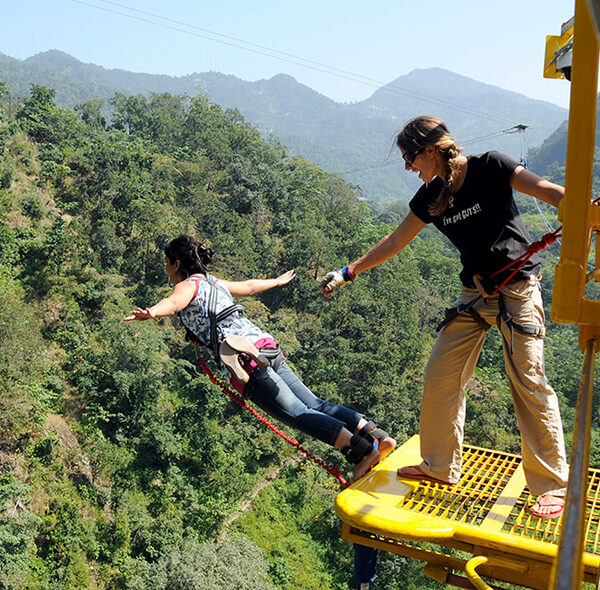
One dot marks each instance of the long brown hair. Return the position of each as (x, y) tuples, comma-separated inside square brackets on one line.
[(193, 256), (424, 131)]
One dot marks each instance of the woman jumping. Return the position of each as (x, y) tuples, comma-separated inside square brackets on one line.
[(206, 308)]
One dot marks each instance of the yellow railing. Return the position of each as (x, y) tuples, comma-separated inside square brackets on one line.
[(581, 223)]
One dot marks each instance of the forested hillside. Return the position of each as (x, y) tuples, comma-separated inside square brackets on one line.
[(353, 139), (551, 155), (121, 466)]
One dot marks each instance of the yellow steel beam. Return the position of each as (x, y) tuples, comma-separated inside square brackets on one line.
[(594, 8), (569, 282)]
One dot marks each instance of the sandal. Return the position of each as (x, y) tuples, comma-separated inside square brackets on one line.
[(557, 502)]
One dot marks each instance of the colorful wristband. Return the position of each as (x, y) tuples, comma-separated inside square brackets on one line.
[(347, 274)]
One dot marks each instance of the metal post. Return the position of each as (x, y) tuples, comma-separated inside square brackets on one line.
[(594, 8), (568, 572), (568, 299)]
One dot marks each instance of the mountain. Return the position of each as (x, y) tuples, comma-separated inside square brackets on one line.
[(554, 149), (354, 139)]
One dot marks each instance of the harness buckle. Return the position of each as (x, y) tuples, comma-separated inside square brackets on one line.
[(230, 350), (478, 281), (540, 332)]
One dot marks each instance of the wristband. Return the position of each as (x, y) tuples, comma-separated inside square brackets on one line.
[(347, 274)]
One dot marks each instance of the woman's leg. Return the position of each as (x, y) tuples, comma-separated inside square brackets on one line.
[(272, 393), (269, 391), (536, 403), (354, 421), (449, 368), (351, 419)]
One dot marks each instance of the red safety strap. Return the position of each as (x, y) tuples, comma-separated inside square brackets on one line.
[(240, 400), (546, 240), (534, 247)]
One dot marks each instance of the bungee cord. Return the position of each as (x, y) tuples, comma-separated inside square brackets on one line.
[(238, 399)]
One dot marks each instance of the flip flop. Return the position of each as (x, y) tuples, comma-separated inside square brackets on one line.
[(420, 476), (560, 508)]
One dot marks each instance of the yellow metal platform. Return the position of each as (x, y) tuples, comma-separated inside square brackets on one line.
[(485, 514)]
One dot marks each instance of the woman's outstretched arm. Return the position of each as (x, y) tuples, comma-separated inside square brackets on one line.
[(382, 251), (253, 286), (390, 245), (180, 298)]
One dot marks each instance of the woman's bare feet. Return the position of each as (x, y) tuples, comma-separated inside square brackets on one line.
[(367, 462)]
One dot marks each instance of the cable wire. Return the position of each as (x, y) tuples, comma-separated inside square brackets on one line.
[(388, 161), (283, 56)]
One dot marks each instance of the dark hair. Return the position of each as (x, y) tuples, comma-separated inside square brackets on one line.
[(193, 256), (424, 131)]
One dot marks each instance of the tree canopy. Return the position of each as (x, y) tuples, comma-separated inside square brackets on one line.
[(122, 459)]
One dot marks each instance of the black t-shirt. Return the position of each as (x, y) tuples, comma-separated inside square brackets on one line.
[(483, 222)]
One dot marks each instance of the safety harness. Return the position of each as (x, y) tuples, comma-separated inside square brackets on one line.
[(273, 355), (360, 444), (487, 288), (503, 317)]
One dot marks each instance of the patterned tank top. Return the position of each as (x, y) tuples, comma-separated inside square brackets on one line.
[(196, 319)]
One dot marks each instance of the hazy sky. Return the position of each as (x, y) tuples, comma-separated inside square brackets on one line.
[(500, 43)]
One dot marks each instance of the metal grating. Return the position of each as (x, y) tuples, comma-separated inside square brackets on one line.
[(485, 473), (592, 542), (521, 523)]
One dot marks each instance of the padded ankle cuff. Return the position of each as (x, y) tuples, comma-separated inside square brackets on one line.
[(372, 432), (358, 448)]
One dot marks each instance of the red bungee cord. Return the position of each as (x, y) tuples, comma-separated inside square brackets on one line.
[(240, 401), (534, 247)]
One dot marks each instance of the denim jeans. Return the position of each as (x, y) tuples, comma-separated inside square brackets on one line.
[(283, 395), (365, 563)]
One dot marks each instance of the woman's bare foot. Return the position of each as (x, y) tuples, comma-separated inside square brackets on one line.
[(367, 462), (386, 446)]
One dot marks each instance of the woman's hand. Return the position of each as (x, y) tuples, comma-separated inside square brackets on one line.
[(332, 280), (382, 251), (285, 278), (139, 314)]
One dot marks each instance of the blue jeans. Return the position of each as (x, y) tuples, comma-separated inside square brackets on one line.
[(365, 563), (283, 395)]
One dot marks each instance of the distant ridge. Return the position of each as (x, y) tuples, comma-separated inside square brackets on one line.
[(354, 139), (554, 150)]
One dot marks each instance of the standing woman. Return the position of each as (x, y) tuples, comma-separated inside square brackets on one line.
[(469, 199)]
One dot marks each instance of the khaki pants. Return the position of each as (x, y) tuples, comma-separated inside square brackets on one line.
[(450, 367)]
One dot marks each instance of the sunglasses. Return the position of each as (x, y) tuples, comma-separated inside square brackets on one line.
[(409, 158)]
